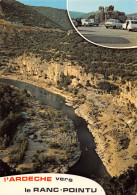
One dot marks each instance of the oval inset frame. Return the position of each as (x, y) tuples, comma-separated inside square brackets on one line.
[(129, 47)]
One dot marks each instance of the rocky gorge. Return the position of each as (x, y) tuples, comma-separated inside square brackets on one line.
[(111, 116)]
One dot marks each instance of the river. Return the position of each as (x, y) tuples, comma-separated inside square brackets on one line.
[(89, 163)]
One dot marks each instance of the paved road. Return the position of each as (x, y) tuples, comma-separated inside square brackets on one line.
[(109, 37)]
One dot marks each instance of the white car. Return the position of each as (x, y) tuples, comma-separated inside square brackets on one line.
[(86, 22), (114, 23), (89, 22), (130, 25)]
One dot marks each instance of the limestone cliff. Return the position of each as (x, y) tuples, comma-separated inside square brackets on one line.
[(129, 94), (49, 72), (108, 13)]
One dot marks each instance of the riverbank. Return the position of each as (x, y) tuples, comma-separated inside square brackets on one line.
[(107, 121), (45, 142)]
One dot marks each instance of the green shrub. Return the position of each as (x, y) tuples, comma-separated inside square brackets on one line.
[(17, 154), (106, 86), (55, 145), (64, 81), (75, 91)]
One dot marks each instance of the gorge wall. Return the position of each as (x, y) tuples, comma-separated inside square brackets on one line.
[(50, 72)]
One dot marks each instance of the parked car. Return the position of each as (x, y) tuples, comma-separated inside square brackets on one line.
[(130, 25), (94, 22), (89, 22), (114, 23), (78, 22), (86, 22)]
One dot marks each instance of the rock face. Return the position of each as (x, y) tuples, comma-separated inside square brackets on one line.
[(116, 15), (106, 13), (114, 132), (129, 94), (100, 16), (50, 72)]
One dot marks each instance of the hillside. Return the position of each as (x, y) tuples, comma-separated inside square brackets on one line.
[(134, 15), (59, 47), (75, 15), (59, 16), (18, 13)]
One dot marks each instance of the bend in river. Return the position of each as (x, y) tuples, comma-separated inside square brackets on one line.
[(89, 163)]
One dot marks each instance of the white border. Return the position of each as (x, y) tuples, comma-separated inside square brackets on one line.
[(133, 47)]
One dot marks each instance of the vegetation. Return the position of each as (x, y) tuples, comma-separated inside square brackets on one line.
[(58, 46), (107, 86), (11, 103), (8, 127), (6, 170), (59, 16), (53, 134), (125, 184), (17, 154), (21, 14), (57, 135), (64, 81), (75, 91)]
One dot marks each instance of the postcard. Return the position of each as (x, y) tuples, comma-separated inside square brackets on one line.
[(68, 97)]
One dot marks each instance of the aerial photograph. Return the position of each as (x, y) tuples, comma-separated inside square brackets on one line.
[(67, 104), (108, 23)]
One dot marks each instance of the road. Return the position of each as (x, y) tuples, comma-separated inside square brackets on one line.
[(109, 37)]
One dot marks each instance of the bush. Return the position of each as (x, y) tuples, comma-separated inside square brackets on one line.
[(106, 86), (8, 125), (17, 154), (55, 145), (88, 83), (75, 91), (64, 81)]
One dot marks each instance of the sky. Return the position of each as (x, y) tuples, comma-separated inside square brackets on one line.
[(61, 4), (127, 6)]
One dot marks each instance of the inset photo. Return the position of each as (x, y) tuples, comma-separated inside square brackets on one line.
[(108, 23)]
